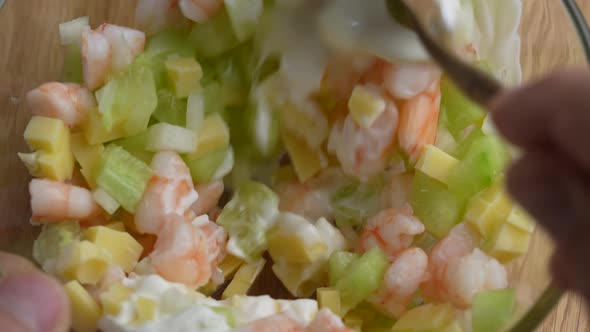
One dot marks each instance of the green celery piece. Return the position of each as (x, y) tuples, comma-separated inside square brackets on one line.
[(485, 159), (262, 125), (170, 109), (136, 146), (230, 73), (123, 176), (355, 202), (437, 208), (493, 310), (465, 143), (204, 169), (54, 239), (361, 278), (72, 69), (460, 112), (244, 16), (214, 37), (338, 263), (170, 41), (248, 216)]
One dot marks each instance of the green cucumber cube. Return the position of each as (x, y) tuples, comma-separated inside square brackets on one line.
[(493, 310), (72, 69), (214, 37), (207, 169), (170, 109), (355, 202), (338, 263), (460, 112)]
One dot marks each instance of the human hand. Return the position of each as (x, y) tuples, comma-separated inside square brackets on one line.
[(550, 121), (30, 300)]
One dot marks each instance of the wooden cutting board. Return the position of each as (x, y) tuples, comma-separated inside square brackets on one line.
[(29, 56)]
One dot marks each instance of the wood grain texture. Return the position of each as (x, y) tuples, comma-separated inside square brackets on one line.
[(29, 56)]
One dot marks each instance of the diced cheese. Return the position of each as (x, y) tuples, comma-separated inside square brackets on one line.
[(520, 219), (116, 225), (436, 163), (112, 299), (47, 134), (87, 263), (508, 243), (145, 309), (244, 279), (296, 240), (123, 248), (366, 105), (329, 298), (184, 75), (306, 161), (213, 136), (87, 155), (85, 311), (486, 217)]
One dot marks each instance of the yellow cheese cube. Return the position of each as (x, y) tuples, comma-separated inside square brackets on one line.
[(87, 156), (95, 132), (43, 133), (301, 280), (365, 105), (228, 267), (89, 177), (87, 263), (57, 165), (31, 161), (116, 225), (508, 243), (123, 248), (112, 299), (213, 136), (436, 163), (145, 309), (329, 298), (454, 327), (306, 161), (486, 217), (85, 311), (426, 318), (294, 239), (354, 323), (244, 279), (184, 75), (521, 220)]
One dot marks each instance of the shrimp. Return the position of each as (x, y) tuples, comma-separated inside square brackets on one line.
[(68, 102), (53, 202), (170, 191), (302, 199), (200, 10), (391, 230), (364, 152), (275, 323), (209, 195), (402, 279), (408, 80), (156, 15), (126, 44), (181, 253), (326, 321), (216, 237), (418, 121), (96, 58)]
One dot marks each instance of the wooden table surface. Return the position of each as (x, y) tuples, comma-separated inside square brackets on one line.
[(29, 56)]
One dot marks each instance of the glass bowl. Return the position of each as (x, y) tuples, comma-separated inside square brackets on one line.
[(553, 37)]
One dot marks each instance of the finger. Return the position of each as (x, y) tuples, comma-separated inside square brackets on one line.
[(551, 112), (30, 300)]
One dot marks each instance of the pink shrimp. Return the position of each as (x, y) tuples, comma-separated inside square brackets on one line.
[(419, 120), (200, 10), (181, 253), (216, 237), (66, 101), (154, 16), (391, 230), (53, 202), (209, 195), (408, 80), (364, 152), (170, 191), (326, 321), (276, 323), (302, 199), (126, 44), (402, 279), (96, 58)]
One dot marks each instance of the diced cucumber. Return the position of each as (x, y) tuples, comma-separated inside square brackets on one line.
[(171, 41), (262, 124), (72, 67), (361, 278), (460, 111), (244, 16), (427, 318), (214, 37), (171, 109), (354, 203), (338, 263), (247, 217), (211, 167), (492, 310), (53, 241), (195, 112), (123, 176), (108, 203), (329, 298), (465, 143), (136, 145), (437, 207), (483, 162), (167, 137), (214, 135)]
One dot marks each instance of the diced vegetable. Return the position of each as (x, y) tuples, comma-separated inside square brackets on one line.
[(247, 217), (305, 122), (136, 146), (167, 137), (460, 111), (211, 167), (171, 109), (124, 250), (339, 262), (444, 140), (483, 162), (329, 298), (229, 266), (301, 280), (95, 132), (108, 203), (184, 75), (306, 161), (87, 263), (437, 208), (365, 106), (85, 311), (72, 67), (355, 202), (426, 318), (294, 239), (123, 177), (112, 299), (224, 37), (263, 127), (244, 279), (213, 135), (52, 241), (71, 32), (88, 156), (492, 310), (195, 112), (170, 41), (244, 16), (361, 278), (436, 163)]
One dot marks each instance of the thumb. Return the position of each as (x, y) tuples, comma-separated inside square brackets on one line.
[(30, 301)]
